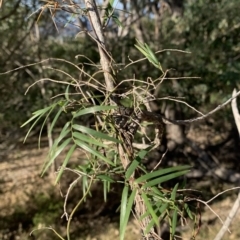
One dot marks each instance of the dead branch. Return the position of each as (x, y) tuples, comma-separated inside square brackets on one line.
[(185, 122)]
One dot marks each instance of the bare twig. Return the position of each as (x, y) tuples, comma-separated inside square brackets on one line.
[(205, 203), (231, 189), (184, 122), (97, 28), (160, 161)]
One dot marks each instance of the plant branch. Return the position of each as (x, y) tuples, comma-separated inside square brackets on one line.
[(184, 122), (97, 29)]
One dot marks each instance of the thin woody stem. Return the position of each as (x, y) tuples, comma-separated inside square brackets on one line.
[(106, 63), (105, 59), (185, 122)]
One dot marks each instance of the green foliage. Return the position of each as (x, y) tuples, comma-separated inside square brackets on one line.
[(148, 53), (209, 30), (74, 134)]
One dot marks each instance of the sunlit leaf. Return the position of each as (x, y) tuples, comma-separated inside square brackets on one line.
[(44, 110), (132, 167), (32, 118), (30, 129), (94, 133), (85, 138), (150, 208), (134, 164), (93, 151), (174, 222), (55, 154), (149, 54), (105, 178), (127, 211), (123, 206), (174, 192), (65, 131), (55, 119), (157, 192), (160, 172), (40, 133), (38, 114), (92, 110), (165, 178)]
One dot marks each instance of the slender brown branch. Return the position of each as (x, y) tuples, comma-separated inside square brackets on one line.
[(185, 122), (97, 28)]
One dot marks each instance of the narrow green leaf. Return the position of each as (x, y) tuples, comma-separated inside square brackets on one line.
[(151, 55), (132, 167), (62, 135), (123, 206), (174, 222), (127, 214), (149, 226), (65, 131), (144, 215), (39, 113), (150, 209), (56, 117), (55, 154), (189, 213), (165, 178), (84, 185), (65, 162), (29, 120), (43, 110), (157, 192), (105, 178), (134, 164), (36, 114), (117, 21), (30, 129), (85, 138), (67, 93), (141, 50), (92, 151), (92, 110), (163, 208), (139, 45), (40, 133), (94, 133), (161, 211), (174, 192), (160, 173), (144, 152)]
